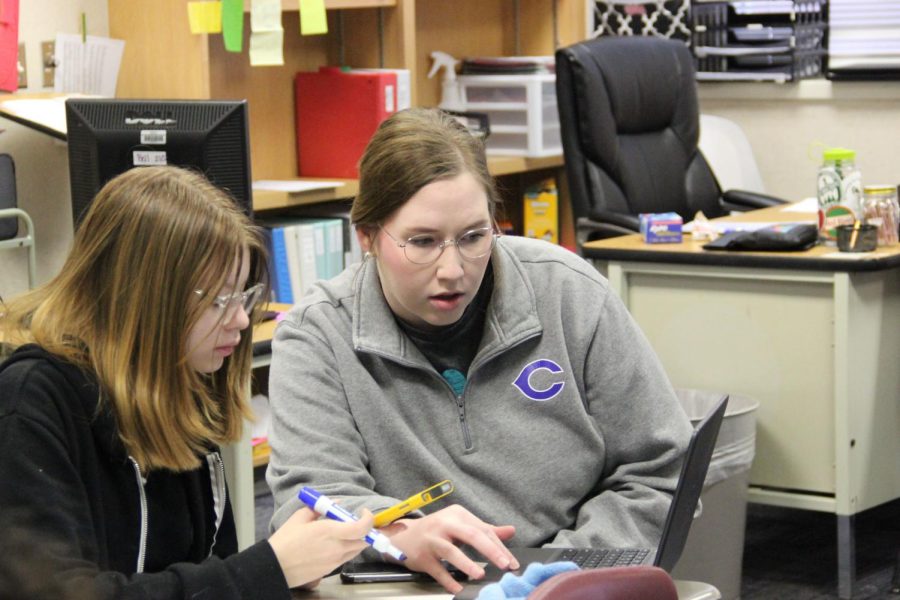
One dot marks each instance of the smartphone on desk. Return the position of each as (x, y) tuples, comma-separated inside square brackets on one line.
[(380, 572)]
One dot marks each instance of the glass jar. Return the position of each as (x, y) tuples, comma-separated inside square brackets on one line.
[(839, 191), (880, 208)]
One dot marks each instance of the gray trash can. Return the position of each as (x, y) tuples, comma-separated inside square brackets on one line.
[(715, 546)]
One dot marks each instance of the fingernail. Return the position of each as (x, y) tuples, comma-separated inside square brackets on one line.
[(504, 562)]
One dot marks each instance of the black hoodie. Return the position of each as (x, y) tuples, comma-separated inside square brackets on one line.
[(65, 475)]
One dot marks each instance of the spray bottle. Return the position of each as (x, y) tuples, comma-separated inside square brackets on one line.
[(450, 96)]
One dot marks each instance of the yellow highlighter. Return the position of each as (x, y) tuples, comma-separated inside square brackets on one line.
[(414, 502)]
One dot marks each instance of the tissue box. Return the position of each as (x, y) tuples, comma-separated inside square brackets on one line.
[(661, 228)]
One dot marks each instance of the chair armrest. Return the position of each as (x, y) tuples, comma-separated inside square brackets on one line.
[(743, 200), (15, 213), (631, 223), (605, 225)]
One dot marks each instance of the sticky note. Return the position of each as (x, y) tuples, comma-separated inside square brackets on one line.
[(205, 17), (266, 48), (265, 15), (233, 24), (312, 17)]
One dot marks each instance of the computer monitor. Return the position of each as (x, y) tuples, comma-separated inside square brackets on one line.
[(109, 136)]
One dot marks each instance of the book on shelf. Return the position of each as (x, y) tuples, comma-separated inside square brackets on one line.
[(302, 251)]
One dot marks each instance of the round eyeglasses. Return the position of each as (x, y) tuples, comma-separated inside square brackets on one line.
[(424, 249), (227, 304)]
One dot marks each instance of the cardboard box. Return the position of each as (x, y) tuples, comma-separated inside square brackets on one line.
[(661, 228), (541, 211)]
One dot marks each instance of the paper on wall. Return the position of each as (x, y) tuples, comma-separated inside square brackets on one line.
[(87, 67)]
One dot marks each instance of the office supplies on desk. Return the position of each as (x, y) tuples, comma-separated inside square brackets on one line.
[(414, 502), (783, 237), (337, 113), (857, 237), (675, 530), (661, 228), (327, 507)]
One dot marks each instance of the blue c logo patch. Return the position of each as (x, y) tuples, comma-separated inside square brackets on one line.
[(523, 381)]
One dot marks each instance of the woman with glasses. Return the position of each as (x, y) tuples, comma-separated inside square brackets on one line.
[(504, 364), (130, 368)]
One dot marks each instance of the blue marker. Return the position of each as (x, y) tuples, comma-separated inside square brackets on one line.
[(324, 505)]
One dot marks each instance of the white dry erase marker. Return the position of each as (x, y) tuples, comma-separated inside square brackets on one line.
[(327, 507)]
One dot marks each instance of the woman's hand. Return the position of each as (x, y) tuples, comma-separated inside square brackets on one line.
[(435, 537), (309, 548)]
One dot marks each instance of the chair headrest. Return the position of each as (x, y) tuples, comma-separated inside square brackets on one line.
[(641, 79)]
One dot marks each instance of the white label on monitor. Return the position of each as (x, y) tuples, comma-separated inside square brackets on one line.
[(153, 137), (149, 158)]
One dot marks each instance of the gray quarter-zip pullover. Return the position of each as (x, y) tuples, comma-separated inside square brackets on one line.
[(567, 428)]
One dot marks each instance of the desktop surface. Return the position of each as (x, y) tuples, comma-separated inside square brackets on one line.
[(690, 251), (331, 588)]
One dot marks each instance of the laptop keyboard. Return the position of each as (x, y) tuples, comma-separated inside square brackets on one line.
[(592, 558)]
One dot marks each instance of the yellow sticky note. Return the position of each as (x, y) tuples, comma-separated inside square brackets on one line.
[(266, 48), (205, 17), (312, 17)]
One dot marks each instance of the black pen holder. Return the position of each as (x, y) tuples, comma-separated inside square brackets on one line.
[(863, 239)]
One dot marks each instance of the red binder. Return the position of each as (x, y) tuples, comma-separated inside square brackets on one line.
[(9, 45), (337, 113)]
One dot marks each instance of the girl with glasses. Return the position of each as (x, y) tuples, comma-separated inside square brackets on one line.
[(130, 368), (506, 365)]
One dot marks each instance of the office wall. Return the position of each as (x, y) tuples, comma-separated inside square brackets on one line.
[(789, 124), (42, 167)]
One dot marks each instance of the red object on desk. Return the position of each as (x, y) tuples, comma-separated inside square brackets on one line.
[(337, 113)]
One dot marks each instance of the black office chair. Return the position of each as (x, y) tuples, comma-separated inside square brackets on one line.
[(630, 125), (11, 215), (895, 580)]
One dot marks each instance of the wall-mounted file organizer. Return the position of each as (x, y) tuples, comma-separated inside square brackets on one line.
[(864, 39), (759, 40)]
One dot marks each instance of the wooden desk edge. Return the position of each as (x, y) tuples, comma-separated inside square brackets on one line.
[(632, 248)]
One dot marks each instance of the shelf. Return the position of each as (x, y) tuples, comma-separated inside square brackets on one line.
[(509, 165), (271, 200), (292, 5), (499, 165), (805, 90)]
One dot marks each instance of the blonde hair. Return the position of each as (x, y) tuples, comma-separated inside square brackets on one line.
[(124, 303), (411, 149)]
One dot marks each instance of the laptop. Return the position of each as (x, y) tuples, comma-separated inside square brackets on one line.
[(675, 530)]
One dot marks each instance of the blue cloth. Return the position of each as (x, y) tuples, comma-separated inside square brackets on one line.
[(456, 380), (517, 587)]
